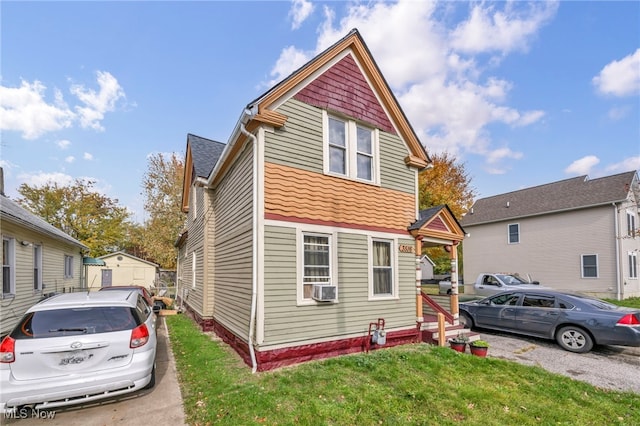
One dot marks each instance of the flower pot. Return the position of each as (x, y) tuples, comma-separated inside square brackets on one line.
[(458, 346), (480, 351)]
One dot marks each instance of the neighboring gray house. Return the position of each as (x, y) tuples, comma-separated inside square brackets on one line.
[(37, 258), (577, 234)]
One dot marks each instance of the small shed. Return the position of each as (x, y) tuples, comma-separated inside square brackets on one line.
[(426, 268), (121, 268)]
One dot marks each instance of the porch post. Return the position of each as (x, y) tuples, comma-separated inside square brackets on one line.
[(453, 255), (419, 314)]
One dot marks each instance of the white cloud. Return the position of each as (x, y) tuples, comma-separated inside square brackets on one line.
[(620, 78), (70, 159), (583, 166), (42, 178), (626, 165), (489, 30), (97, 103), (429, 62), (24, 109), (87, 156), (63, 144), (300, 11)]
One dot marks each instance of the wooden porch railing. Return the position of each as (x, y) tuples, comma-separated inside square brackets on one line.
[(436, 307)]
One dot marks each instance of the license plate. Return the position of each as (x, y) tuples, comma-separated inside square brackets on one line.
[(75, 358)]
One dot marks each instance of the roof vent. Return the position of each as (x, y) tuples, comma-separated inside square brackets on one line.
[(508, 204)]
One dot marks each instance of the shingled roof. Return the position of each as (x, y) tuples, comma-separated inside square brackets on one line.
[(12, 212), (205, 154), (570, 194)]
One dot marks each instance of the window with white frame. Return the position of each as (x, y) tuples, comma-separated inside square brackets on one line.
[(68, 266), (317, 262), (8, 267), (193, 269), (514, 233), (37, 267), (633, 264), (631, 224), (589, 265), (382, 263), (350, 149)]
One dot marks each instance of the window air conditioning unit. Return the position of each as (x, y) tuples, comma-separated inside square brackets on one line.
[(324, 293)]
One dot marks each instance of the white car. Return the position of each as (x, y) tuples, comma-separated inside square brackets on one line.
[(78, 347)]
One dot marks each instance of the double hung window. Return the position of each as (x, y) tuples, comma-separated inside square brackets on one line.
[(514, 233), (8, 267), (317, 262), (382, 268), (589, 266), (350, 149), (68, 266)]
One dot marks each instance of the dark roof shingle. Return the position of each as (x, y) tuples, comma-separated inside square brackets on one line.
[(205, 154), (570, 194)]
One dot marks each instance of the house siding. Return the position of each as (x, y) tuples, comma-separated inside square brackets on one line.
[(194, 296), (233, 244), (287, 323), (549, 250), (53, 279), (299, 144)]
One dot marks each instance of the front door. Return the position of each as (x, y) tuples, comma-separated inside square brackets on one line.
[(106, 277)]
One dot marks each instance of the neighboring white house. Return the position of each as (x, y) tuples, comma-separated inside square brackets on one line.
[(121, 268), (426, 268), (577, 234), (37, 258)]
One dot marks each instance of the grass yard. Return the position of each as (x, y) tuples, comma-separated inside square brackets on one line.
[(408, 385)]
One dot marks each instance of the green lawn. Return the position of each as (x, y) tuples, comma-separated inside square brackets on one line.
[(409, 385)]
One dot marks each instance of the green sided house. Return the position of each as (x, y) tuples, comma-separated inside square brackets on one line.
[(303, 235), (37, 258)]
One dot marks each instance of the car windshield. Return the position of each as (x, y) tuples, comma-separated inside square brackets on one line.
[(511, 279), (76, 321)]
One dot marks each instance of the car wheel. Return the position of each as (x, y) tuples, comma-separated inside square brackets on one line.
[(574, 339), (152, 382), (465, 320)]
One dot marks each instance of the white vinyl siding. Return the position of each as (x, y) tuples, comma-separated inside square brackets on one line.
[(589, 263), (194, 268)]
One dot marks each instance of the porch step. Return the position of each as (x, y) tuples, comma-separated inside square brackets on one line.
[(430, 333)]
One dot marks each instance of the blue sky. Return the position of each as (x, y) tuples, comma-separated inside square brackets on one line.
[(522, 93)]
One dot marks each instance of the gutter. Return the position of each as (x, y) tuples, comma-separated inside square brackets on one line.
[(248, 113), (254, 262), (617, 243)]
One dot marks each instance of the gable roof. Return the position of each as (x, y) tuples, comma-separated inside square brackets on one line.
[(437, 222), (200, 159), (262, 110), (12, 212), (130, 256), (570, 194)]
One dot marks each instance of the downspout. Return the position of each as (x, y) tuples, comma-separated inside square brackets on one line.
[(617, 244), (254, 261)]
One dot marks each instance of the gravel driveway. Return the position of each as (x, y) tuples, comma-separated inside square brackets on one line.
[(610, 367)]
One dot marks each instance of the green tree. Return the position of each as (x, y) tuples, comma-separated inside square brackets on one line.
[(92, 218), (162, 188), (447, 182)]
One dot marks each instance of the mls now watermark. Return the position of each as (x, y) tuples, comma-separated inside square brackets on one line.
[(30, 413)]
